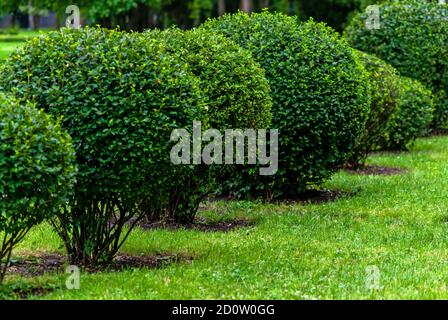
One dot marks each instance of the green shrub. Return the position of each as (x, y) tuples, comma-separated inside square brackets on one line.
[(413, 116), (234, 85), (120, 98), (36, 172), (413, 38), (320, 97), (237, 96), (385, 92)]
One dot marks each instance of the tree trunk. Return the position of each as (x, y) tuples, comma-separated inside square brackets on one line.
[(246, 5), (221, 7), (31, 20)]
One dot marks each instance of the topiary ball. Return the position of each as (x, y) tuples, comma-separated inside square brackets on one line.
[(320, 97), (37, 167), (237, 96), (120, 97), (385, 92), (413, 116), (234, 85), (413, 38)]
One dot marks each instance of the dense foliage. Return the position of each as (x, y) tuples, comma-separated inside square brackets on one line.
[(413, 116), (36, 171), (320, 97), (234, 85), (120, 98), (236, 93), (385, 92), (413, 38)]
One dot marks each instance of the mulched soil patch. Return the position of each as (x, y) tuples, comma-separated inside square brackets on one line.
[(314, 196), (55, 263), (25, 293), (438, 132), (200, 224), (149, 262), (37, 265), (376, 170)]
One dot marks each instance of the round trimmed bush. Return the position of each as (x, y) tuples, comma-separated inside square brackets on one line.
[(120, 97), (237, 96), (320, 97), (385, 93), (36, 171), (413, 116), (413, 38), (234, 85)]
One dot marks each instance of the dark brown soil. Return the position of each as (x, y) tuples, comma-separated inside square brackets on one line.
[(38, 265), (25, 293), (318, 196), (438, 132), (145, 262), (376, 170), (200, 224), (55, 263)]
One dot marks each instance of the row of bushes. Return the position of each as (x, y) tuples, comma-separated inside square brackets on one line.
[(401, 110), (413, 38), (119, 96)]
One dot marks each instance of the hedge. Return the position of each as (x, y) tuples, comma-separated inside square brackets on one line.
[(237, 96), (413, 38), (385, 92), (320, 98), (413, 117), (120, 98), (37, 169)]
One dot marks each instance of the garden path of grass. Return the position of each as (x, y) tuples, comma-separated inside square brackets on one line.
[(295, 251)]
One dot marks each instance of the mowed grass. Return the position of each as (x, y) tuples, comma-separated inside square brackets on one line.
[(395, 223), (9, 43), (6, 48)]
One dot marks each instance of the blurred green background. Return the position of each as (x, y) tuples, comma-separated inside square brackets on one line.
[(142, 14)]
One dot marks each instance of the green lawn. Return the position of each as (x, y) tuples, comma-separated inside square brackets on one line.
[(9, 42), (396, 223)]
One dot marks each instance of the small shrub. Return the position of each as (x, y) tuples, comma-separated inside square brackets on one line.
[(237, 96), (36, 172), (120, 98), (413, 38), (385, 92), (413, 116), (320, 98)]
